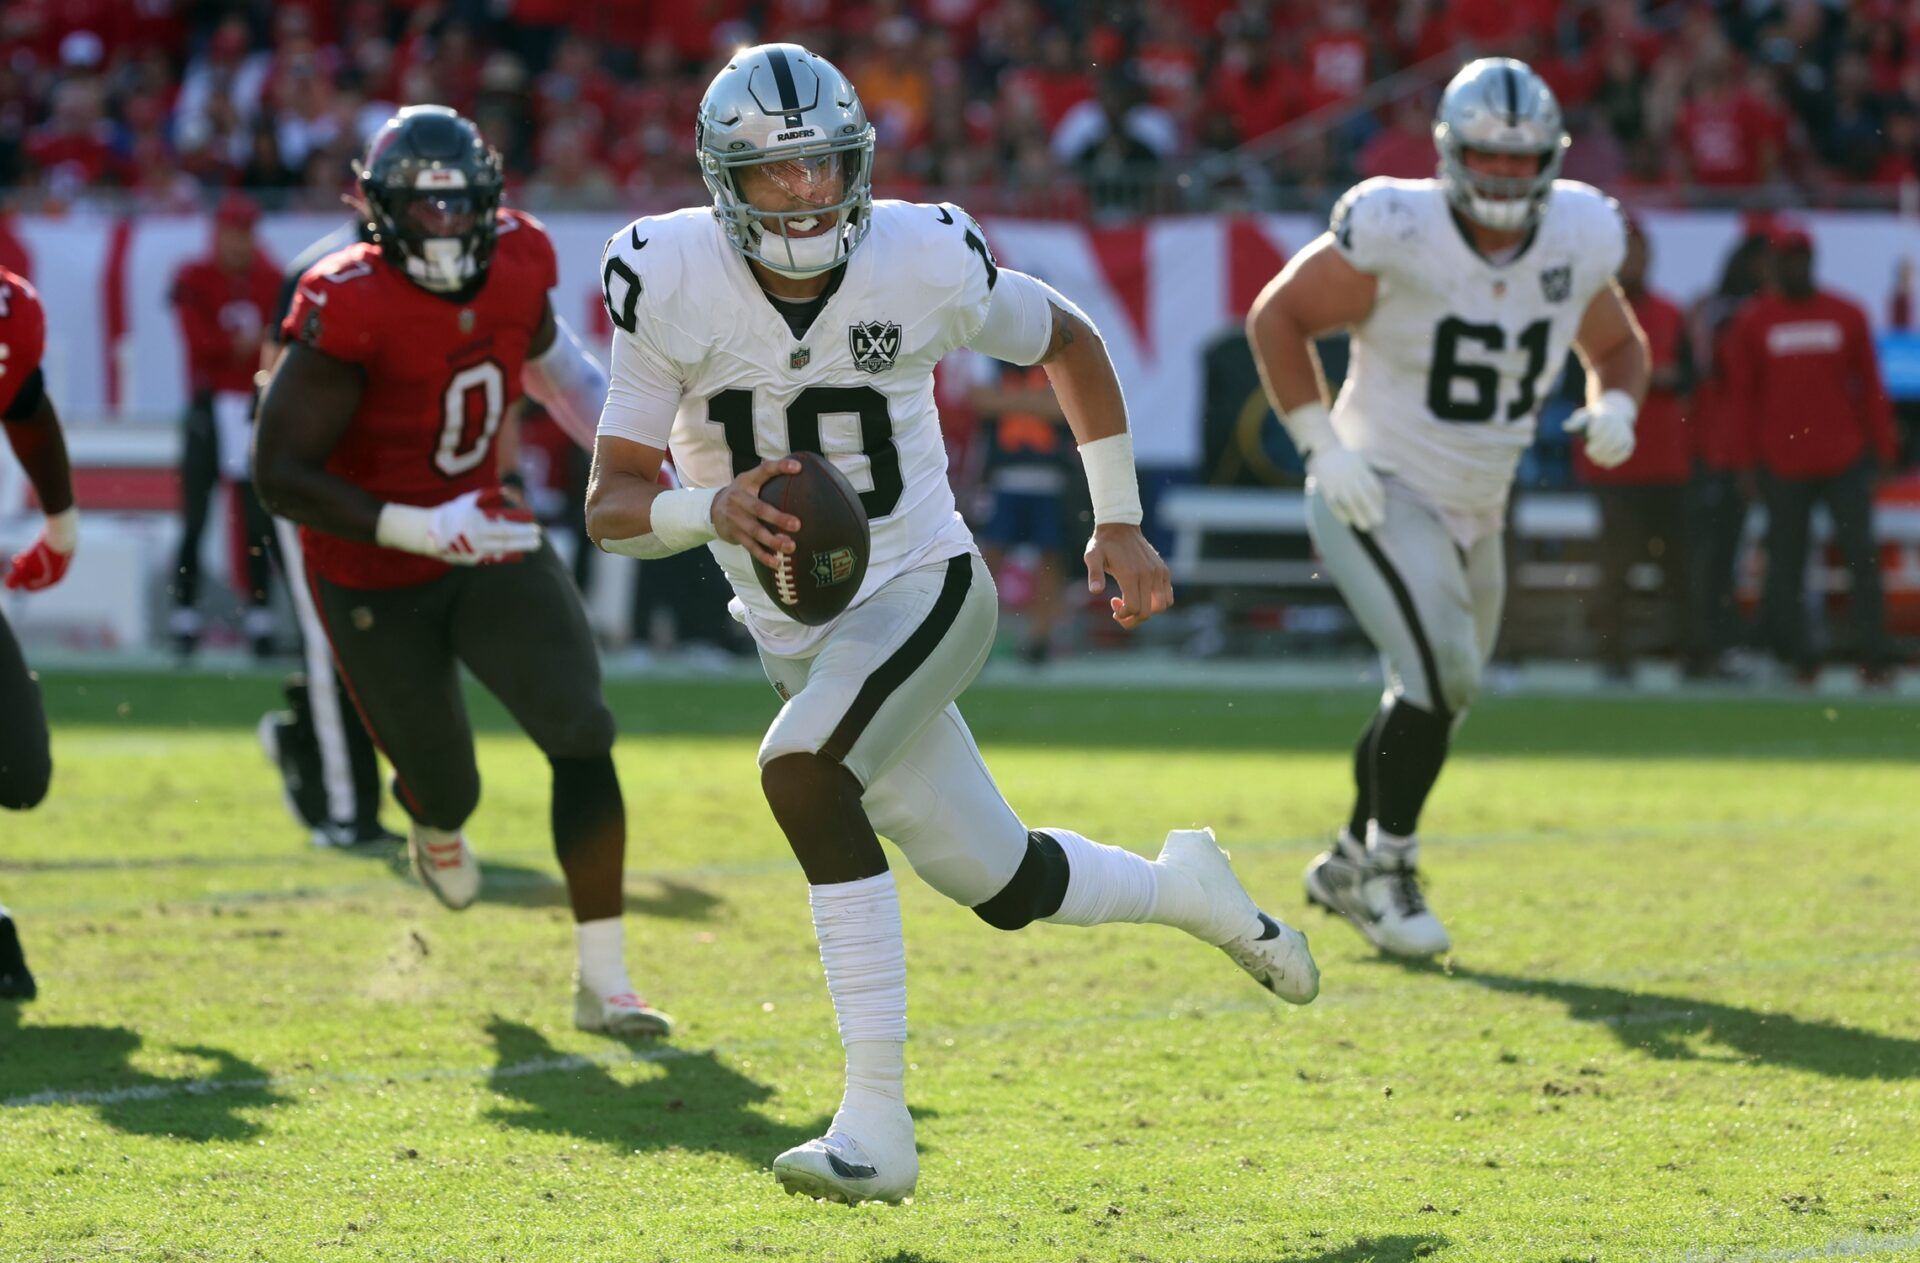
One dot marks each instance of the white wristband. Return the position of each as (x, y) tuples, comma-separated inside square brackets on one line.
[(407, 527), (63, 530), (1112, 483), (1311, 426), (683, 519), (1620, 401)]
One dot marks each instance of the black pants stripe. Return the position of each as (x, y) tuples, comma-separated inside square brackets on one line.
[(904, 661)]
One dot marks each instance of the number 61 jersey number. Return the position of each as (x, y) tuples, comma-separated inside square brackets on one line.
[(855, 384), (1450, 367)]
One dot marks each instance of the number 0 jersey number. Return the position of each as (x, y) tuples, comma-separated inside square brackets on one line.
[(1468, 392), (473, 404), (732, 410)]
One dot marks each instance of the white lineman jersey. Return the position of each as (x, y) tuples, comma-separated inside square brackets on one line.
[(857, 388), (1448, 370)]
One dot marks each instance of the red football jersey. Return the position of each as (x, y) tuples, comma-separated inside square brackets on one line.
[(439, 377), (23, 334), (223, 316)]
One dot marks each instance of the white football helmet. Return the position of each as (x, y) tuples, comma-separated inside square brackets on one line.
[(780, 107), (1499, 105)]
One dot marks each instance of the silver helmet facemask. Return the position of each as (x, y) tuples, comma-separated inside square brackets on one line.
[(1499, 105), (780, 108)]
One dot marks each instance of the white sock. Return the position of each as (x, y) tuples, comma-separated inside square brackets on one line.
[(865, 956), (1105, 884), (1390, 850), (603, 955)]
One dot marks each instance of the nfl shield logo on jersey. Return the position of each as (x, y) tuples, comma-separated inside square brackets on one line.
[(875, 345), (1556, 283), (801, 355)]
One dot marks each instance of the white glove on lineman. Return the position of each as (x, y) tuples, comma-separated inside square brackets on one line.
[(1608, 426), (1349, 486), (465, 531)]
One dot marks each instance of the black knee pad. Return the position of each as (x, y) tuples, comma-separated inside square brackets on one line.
[(1035, 891)]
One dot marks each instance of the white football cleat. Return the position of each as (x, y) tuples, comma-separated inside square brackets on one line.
[(1274, 954), (1382, 900), (445, 865), (621, 1014), (838, 1168)]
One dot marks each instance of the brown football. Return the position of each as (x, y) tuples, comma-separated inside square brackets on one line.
[(817, 581)]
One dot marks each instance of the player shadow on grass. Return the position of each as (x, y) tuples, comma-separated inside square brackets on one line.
[(522, 886), (94, 1063), (695, 1102), (1660, 1026), (1395, 1249)]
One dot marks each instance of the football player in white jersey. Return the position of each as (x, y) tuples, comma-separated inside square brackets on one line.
[(1462, 294), (798, 314)]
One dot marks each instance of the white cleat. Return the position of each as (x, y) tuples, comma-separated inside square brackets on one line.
[(445, 865), (838, 1168), (1274, 954), (1383, 901), (624, 1014)]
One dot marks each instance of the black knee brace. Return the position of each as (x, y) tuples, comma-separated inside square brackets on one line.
[(1037, 888)]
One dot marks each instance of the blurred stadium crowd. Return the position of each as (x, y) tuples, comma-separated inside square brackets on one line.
[(1046, 105)]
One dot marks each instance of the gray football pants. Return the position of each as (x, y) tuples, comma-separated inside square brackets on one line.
[(878, 696), (1430, 607)]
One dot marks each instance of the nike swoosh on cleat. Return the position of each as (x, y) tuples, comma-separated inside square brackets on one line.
[(847, 1171), (1271, 928)]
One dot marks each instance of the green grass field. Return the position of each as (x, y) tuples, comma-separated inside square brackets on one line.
[(1681, 1022)]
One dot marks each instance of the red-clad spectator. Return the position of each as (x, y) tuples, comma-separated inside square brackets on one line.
[(1404, 148), (1057, 83), (224, 302), (1643, 502), (1727, 137), (1169, 62), (1252, 90), (1898, 165), (574, 80), (1717, 499), (1335, 58), (74, 149), (1806, 381), (1496, 25)]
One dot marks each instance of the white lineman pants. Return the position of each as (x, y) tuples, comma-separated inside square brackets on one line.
[(1431, 607), (878, 696)]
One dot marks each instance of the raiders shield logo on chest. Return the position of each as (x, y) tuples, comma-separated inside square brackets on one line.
[(875, 345), (1556, 283)]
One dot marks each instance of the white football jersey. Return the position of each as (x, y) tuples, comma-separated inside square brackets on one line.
[(1448, 371), (857, 388)]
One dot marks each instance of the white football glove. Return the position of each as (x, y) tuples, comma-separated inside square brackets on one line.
[(468, 530), (1608, 426), (1349, 486)]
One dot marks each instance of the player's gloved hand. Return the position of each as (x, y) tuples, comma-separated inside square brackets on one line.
[(1146, 589), (1349, 486), (741, 517), (45, 563), (468, 530), (1608, 426)]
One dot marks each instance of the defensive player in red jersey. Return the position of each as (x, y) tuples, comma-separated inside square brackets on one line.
[(33, 429), (376, 434)]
